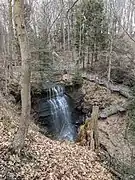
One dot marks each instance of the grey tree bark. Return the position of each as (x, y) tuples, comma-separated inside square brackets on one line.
[(11, 35), (25, 81)]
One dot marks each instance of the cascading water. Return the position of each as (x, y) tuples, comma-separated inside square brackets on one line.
[(61, 121)]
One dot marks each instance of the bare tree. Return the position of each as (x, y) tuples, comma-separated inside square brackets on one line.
[(25, 81)]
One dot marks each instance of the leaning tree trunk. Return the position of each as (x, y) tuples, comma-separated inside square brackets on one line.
[(25, 81)]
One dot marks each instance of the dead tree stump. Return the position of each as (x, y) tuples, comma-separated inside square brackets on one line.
[(88, 134), (94, 144)]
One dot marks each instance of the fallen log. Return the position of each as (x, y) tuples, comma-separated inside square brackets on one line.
[(122, 90), (113, 109)]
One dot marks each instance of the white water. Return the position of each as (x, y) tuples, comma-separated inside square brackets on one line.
[(61, 115)]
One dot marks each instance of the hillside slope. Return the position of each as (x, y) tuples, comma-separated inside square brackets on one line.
[(43, 158)]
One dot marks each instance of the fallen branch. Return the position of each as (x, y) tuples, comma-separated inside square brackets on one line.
[(114, 172), (113, 109)]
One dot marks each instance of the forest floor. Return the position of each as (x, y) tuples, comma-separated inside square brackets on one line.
[(43, 158)]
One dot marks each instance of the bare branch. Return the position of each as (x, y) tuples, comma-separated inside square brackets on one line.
[(72, 6)]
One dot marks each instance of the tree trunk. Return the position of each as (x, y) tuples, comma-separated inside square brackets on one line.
[(88, 57), (25, 81), (68, 34), (83, 59), (5, 51), (6, 74), (96, 52), (80, 42), (110, 62), (11, 35), (92, 60)]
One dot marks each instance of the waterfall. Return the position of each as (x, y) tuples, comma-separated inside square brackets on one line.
[(61, 115)]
